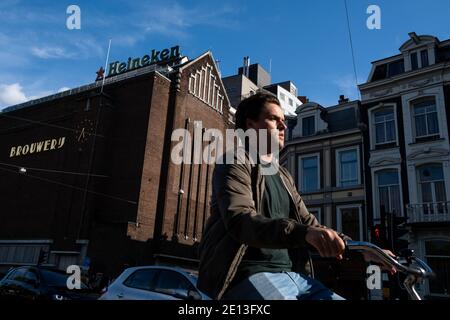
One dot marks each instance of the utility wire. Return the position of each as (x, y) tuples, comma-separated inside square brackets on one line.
[(70, 186), (52, 171), (351, 48), (44, 124)]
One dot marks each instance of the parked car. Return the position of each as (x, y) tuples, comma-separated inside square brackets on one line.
[(39, 283), (154, 283)]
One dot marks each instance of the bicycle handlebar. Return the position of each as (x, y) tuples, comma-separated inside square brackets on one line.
[(421, 270)]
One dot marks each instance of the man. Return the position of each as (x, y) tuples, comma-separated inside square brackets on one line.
[(253, 246)]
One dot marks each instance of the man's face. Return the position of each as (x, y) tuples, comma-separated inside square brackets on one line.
[(271, 117)]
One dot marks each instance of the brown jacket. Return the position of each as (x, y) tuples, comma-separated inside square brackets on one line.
[(236, 223)]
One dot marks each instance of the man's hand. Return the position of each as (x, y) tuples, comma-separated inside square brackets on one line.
[(370, 257), (326, 241)]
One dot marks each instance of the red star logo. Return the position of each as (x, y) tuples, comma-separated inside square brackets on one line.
[(100, 74)]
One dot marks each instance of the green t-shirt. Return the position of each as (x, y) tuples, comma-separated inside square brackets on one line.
[(276, 204)]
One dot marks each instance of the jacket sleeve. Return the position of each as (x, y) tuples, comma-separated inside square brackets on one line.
[(233, 193)]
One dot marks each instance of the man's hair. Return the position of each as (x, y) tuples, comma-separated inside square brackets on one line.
[(250, 108)]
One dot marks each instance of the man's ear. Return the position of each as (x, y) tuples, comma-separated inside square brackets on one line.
[(249, 123)]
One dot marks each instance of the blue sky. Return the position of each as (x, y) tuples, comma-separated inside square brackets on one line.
[(307, 41)]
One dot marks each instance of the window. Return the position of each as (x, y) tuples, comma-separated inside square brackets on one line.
[(380, 72), (432, 188), (396, 67), (388, 192), (141, 279), (414, 62), (17, 275), (308, 126), (317, 213), (291, 102), (424, 58), (282, 96), (349, 222), (437, 253), (425, 119), (309, 174), (31, 278), (384, 122), (348, 168), (386, 70), (171, 280)]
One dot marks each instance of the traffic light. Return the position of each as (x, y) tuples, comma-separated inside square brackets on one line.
[(399, 231), (378, 235)]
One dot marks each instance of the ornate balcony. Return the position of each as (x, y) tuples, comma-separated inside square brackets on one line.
[(429, 212)]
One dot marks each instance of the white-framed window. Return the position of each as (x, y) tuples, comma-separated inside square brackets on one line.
[(437, 255), (347, 167), (384, 125), (308, 126), (309, 172), (291, 102), (432, 188), (425, 118), (419, 59), (424, 58), (349, 221), (282, 96), (414, 61), (388, 192), (317, 212)]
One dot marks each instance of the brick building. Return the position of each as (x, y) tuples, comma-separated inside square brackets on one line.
[(86, 175)]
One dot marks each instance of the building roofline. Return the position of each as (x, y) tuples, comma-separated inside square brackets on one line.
[(160, 69), (215, 66), (400, 55)]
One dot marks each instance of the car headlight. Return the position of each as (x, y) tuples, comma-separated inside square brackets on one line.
[(59, 297)]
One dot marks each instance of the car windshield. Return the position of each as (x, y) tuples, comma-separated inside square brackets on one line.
[(57, 279)]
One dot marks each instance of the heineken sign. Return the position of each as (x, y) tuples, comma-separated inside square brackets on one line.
[(155, 56)]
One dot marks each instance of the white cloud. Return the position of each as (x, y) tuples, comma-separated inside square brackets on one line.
[(175, 20), (11, 94), (50, 52), (63, 89), (347, 86)]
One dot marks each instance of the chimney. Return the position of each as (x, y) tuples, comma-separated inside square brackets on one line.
[(414, 37), (246, 66), (303, 99), (343, 99)]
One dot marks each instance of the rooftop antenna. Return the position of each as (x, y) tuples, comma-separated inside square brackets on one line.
[(106, 64)]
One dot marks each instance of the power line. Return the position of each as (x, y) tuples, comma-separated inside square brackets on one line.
[(65, 128), (52, 171), (44, 124), (70, 186), (351, 47)]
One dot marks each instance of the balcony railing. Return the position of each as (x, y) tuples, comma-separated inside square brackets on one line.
[(429, 212)]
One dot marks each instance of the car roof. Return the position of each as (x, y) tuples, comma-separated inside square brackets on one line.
[(38, 268), (172, 268)]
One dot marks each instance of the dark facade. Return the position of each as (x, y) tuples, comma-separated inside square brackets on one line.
[(86, 176)]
